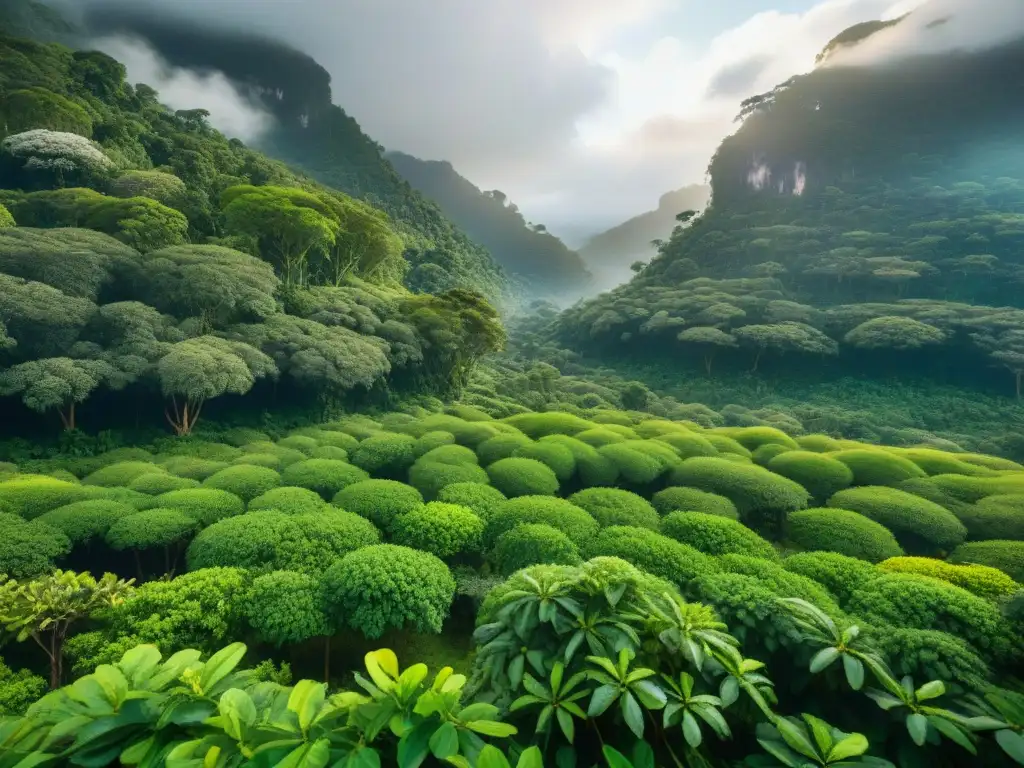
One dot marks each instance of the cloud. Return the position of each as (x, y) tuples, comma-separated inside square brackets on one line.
[(738, 79)]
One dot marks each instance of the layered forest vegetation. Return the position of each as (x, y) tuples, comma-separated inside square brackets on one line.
[(268, 501)]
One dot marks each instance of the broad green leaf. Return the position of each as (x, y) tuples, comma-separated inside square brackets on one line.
[(643, 755), (952, 732), (415, 745), (382, 666), (632, 714), (305, 701), (445, 741), (491, 757), (729, 691), (930, 690), (854, 669), (603, 698), (220, 665), (491, 728), (1012, 744), (133, 754), (691, 730), (531, 758), (615, 758), (649, 694), (823, 659), (479, 711), (796, 738), (822, 733), (566, 724), (565, 757), (139, 663), (362, 757), (516, 670), (917, 727), (853, 745), (237, 712)]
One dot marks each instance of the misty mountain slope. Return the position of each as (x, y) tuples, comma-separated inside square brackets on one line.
[(34, 20), (611, 252), (865, 220), (488, 218)]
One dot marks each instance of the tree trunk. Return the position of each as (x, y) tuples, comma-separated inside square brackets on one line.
[(327, 659), (138, 564), (757, 359), (56, 654)]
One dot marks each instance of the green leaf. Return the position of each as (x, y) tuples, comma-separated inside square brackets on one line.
[(854, 745), (445, 741), (491, 757), (1012, 744), (796, 738), (220, 665), (650, 694), (691, 730), (305, 701), (414, 746), (729, 691), (930, 690), (362, 757), (139, 663), (643, 755), (917, 727), (491, 728), (632, 714), (530, 684), (603, 697), (565, 757), (515, 671), (822, 733), (133, 754), (531, 758), (566, 724), (479, 711), (854, 669), (823, 659), (237, 712), (615, 758), (952, 732)]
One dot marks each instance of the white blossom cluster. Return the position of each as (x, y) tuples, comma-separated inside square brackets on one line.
[(55, 150)]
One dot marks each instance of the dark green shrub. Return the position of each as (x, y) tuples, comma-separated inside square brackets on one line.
[(651, 552), (442, 529), (522, 477), (782, 582), (155, 483), (31, 495), (1007, 556), (240, 436), (150, 529), (637, 468), (842, 531), (919, 525), (129, 497), (714, 535), (245, 481), (927, 654), (592, 468), (269, 460), (600, 437), (500, 447), (28, 549), (839, 574), (533, 543), (450, 454), (574, 522), (299, 443), (386, 455), (877, 467), (286, 607), (324, 476), (753, 438), (821, 475), (765, 453), (326, 437), (613, 506), (537, 425), (84, 521), (688, 444), (380, 501), (290, 500), (980, 580), (972, 489), (994, 517), (936, 462), (430, 441), (469, 433), (206, 505), (724, 444), (484, 500), (273, 541), (431, 477), (680, 499), (121, 473), (329, 452), (818, 443), (386, 586), (285, 456), (19, 690), (192, 467), (559, 458)]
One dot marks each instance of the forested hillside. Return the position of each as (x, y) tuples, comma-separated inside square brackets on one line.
[(491, 219), (864, 220)]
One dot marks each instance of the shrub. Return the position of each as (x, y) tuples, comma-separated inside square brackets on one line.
[(430, 441), (574, 522), (921, 602), (380, 501), (557, 457), (980, 580), (269, 460), (329, 438), (18, 690), (522, 477), (688, 444), (994, 517), (842, 531), (286, 607), (935, 462), (302, 443), (753, 438), (613, 506), (532, 543), (386, 586), (484, 500), (430, 477), (600, 437), (818, 443), (192, 467), (205, 505), (155, 483), (724, 444), (274, 541), (150, 529), (239, 436), (442, 529), (927, 654), (651, 552), (537, 425), (635, 467), (872, 466), (84, 521), (469, 433), (781, 581), (972, 489), (285, 456), (450, 454), (245, 481), (680, 499), (324, 476), (121, 473), (1007, 556), (839, 574), (593, 468), (329, 452), (28, 549), (31, 495), (500, 447), (129, 497), (919, 525), (765, 453), (714, 535), (821, 475), (385, 455), (290, 500)]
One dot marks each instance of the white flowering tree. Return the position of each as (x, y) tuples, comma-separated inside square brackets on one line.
[(53, 159)]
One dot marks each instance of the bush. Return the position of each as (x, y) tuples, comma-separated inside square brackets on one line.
[(285, 456), (200, 449), (324, 476), (121, 473), (329, 452), (574, 522), (18, 690), (919, 525), (192, 467), (522, 477), (269, 460), (765, 453), (150, 529), (469, 433), (688, 444), (29, 549), (205, 505), (680, 499), (328, 438), (725, 444), (537, 425), (431, 477), (450, 454), (842, 531), (926, 654), (84, 521), (921, 602), (484, 500), (290, 500), (129, 497), (245, 481), (386, 455), (821, 475), (980, 580), (818, 443), (386, 586), (286, 607), (651, 552), (557, 457), (935, 462), (155, 483), (533, 543), (273, 541), (994, 517), (442, 529), (872, 466), (500, 447), (635, 467), (782, 582), (714, 535), (430, 441), (592, 468), (600, 437), (839, 574), (972, 489), (1007, 556), (240, 436), (380, 501), (753, 438), (302, 443), (31, 495), (613, 506)]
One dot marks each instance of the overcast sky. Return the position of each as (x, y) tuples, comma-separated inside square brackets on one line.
[(583, 111)]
